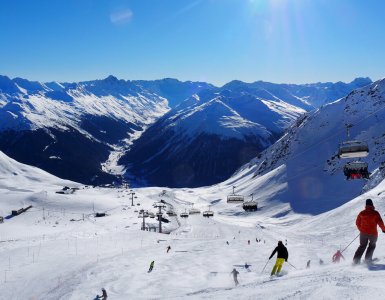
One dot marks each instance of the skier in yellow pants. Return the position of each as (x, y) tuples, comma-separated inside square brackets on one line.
[(282, 256)]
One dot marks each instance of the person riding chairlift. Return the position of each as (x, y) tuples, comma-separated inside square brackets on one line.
[(355, 176)]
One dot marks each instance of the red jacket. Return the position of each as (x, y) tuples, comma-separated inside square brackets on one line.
[(368, 219)]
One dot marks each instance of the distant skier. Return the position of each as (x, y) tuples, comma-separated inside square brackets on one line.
[(227, 242), (168, 248), (321, 262), (247, 267), (248, 242), (151, 266), (235, 276), (282, 256), (308, 264), (367, 221), (337, 256), (103, 296)]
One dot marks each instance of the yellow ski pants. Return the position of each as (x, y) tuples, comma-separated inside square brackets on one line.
[(278, 266)]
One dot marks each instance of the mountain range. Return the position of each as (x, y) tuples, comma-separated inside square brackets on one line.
[(162, 132)]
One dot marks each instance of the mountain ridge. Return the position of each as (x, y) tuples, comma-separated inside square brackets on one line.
[(98, 121)]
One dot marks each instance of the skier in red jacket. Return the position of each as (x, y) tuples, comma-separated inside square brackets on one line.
[(337, 256), (367, 221)]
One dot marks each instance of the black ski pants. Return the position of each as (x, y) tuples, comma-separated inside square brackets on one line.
[(364, 240)]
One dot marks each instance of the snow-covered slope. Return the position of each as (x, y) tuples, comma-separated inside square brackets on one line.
[(305, 159), (59, 250), (13, 174)]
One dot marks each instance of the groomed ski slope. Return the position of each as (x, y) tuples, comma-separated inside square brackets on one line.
[(44, 255)]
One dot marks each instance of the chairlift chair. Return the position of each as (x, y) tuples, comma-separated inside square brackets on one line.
[(194, 211), (353, 149), (184, 215), (208, 214), (235, 198), (171, 213), (250, 206), (99, 215)]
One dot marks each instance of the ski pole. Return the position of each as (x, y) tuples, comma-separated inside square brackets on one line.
[(265, 266), (292, 265), (350, 243)]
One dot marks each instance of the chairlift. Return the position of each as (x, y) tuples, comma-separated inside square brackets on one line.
[(171, 213), (194, 211), (100, 214), (356, 170), (250, 206), (233, 198), (184, 215), (151, 215), (208, 214), (353, 149)]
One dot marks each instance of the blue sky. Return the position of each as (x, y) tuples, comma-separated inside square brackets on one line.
[(294, 41)]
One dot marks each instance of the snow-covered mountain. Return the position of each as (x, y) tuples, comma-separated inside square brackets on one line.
[(302, 171), (201, 142), (70, 129), (80, 130), (306, 96), (173, 90)]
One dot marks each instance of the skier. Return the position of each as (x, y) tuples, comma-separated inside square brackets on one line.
[(168, 248), (247, 267), (235, 276), (321, 262), (248, 242), (227, 242), (282, 256), (337, 256), (151, 266), (103, 296), (308, 264), (367, 221)]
